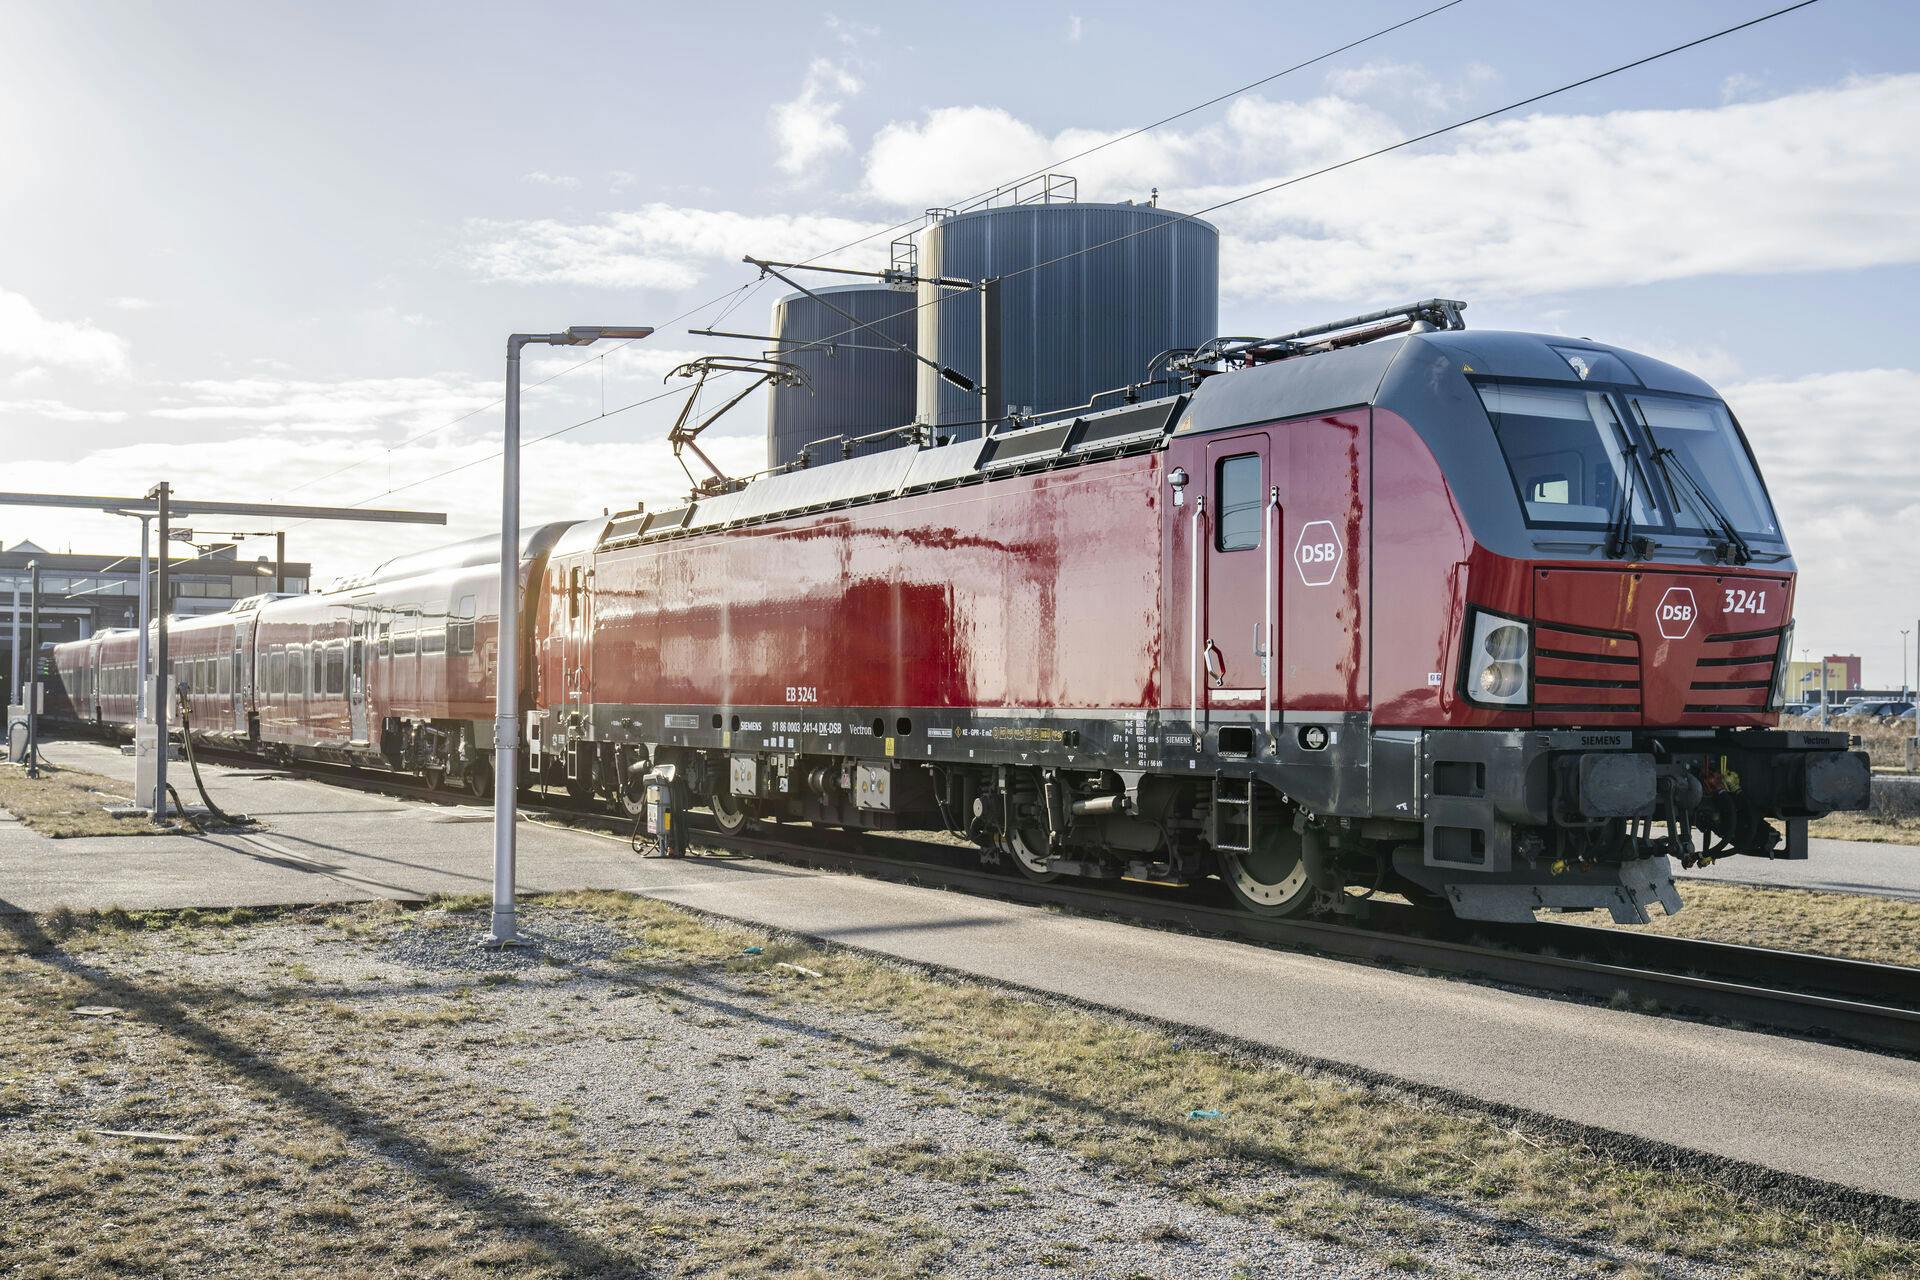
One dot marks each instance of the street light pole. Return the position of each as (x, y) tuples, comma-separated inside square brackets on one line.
[(162, 493), (1903, 662), (33, 675), (502, 930), (13, 684), (140, 645)]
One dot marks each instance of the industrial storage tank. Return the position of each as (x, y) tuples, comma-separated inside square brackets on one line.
[(860, 383), (1068, 328)]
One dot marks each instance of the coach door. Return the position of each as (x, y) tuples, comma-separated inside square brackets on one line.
[(574, 646), (238, 677), (1241, 582), (359, 635)]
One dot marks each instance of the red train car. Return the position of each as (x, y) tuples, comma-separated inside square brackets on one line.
[(1494, 620)]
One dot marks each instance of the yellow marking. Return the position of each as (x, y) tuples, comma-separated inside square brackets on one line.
[(889, 746), (726, 738)]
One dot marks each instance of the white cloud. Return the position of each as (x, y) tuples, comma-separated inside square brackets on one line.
[(1837, 452), (1825, 179), (658, 246), (59, 411), (354, 406), (128, 303), (31, 376), (1075, 28), (1740, 85), (28, 336), (807, 129), (637, 466), (954, 152), (619, 180), (1389, 81), (541, 178)]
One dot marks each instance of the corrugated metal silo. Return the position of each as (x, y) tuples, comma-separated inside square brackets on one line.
[(859, 386), (1068, 328)]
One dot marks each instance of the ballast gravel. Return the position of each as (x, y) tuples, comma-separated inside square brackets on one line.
[(737, 1124)]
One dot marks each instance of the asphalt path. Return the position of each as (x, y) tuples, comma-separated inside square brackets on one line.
[(1838, 866), (1819, 1110)]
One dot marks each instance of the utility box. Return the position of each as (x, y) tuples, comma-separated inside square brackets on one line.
[(16, 733), (662, 818), (146, 763)]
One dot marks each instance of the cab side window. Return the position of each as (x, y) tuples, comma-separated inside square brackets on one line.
[(1237, 493)]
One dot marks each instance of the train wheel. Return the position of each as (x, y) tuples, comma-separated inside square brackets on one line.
[(731, 815), (1028, 849), (1271, 878), (479, 777), (435, 776)]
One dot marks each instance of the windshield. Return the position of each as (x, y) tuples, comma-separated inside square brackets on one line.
[(1574, 451), (1706, 448), (1566, 450)]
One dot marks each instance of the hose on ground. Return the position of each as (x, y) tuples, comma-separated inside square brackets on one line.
[(193, 763), (191, 820)]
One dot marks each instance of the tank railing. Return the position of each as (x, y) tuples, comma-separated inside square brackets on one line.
[(1041, 188)]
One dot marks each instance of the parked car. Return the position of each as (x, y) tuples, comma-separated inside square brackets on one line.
[(1878, 709)]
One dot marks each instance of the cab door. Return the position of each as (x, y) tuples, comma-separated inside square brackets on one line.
[(1241, 596)]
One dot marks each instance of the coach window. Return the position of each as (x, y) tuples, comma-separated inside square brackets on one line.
[(433, 637), (336, 670), (460, 626), (223, 677), (297, 670), (403, 633), (1237, 491)]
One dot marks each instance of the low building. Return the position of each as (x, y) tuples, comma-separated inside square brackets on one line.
[(82, 594), (1843, 678)]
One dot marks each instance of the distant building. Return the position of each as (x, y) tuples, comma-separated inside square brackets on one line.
[(1803, 678), (82, 594)]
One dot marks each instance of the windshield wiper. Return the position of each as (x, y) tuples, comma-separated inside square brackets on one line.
[(1620, 536), (1733, 547)]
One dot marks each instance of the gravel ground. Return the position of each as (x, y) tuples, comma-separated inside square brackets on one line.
[(753, 1126)]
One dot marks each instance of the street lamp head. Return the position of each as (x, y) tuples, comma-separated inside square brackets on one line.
[(581, 335)]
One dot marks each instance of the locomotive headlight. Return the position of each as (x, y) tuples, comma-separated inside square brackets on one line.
[(1497, 661), (1777, 696)]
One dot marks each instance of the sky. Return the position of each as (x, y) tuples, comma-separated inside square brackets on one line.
[(271, 251)]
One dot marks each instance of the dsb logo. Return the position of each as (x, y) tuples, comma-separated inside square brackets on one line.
[(1319, 553), (1676, 612)]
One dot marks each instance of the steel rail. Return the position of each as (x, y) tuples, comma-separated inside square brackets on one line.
[(1860, 1002), (1870, 1022)]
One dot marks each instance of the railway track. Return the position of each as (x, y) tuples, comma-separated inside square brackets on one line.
[(1867, 1004)]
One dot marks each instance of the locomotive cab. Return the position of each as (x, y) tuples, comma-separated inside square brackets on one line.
[(1623, 597)]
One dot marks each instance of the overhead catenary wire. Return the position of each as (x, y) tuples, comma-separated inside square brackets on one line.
[(1401, 145), (737, 297), (1216, 100), (1267, 189), (749, 287)]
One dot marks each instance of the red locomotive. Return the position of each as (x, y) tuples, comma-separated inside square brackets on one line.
[(1491, 620)]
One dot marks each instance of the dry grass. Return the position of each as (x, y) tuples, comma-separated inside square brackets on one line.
[(1856, 925), (68, 802), (1866, 826), (1119, 1095), (336, 1137)]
